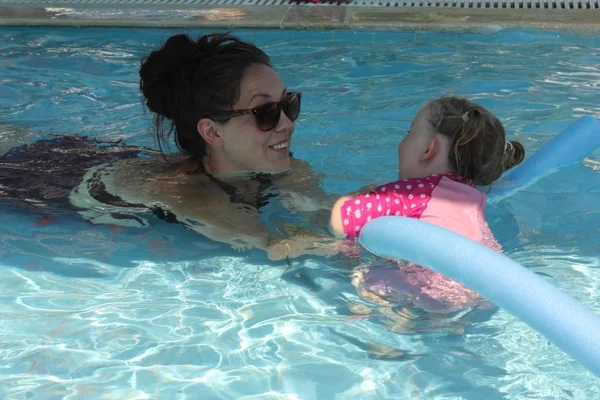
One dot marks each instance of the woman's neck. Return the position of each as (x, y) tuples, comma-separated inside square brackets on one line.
[(229, 174)]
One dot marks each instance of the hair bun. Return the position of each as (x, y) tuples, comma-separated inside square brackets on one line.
[(513, 155), (160, 74)]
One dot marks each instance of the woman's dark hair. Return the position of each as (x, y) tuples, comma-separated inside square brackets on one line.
[(479, 150), (187, 80)]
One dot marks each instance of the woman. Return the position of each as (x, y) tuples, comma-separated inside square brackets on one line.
[(233, 120)]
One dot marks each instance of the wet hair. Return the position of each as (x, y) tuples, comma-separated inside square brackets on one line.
[(479, 151), (187, 80)]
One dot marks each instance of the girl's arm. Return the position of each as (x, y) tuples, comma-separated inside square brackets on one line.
[(400, 198), (336, 224)]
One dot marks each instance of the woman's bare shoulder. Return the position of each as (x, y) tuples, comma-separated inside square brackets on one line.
[(155, 180)]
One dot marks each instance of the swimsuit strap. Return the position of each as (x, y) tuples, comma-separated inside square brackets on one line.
[(97, 190), (264, 183), (234, 195)]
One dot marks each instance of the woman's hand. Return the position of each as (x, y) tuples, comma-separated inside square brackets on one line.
[(365, 189), (281, 248)]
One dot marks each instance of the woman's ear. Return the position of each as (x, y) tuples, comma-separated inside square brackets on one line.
[(209, 130)]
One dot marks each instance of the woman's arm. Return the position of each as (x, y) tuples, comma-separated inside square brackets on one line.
[(242, 229), (198, 203)]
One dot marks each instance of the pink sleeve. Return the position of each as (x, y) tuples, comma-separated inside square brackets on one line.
[(406, 198)]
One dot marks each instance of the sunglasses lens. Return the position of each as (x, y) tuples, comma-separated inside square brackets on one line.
[(291, 106), (267, 117)]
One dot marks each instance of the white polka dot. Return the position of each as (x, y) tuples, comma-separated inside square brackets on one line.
[(422, 195), (367, 195), (397, 213), (421, 185), (387, 212), (346, 222), (357, 202), (412, 206), (410, 196), (396, 186), (369, 218), (357, 214), (422, 204), (369, 205), (357, 228), (397, 201), (383, 189), (387, 199), (408, 187), (431, 184), (406, 208), (377, 197), (379, 208)]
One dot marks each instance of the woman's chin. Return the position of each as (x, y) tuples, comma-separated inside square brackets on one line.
[(280, 165)]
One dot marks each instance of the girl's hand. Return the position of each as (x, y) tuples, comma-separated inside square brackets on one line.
[(335, 222)]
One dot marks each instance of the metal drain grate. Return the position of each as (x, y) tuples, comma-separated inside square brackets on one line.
[(476, 4)]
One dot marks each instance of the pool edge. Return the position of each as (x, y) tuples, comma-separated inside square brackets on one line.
[(302, 17)]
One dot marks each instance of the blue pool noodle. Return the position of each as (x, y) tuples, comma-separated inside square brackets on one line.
[(567, 148), (557, 316), (496, 277)]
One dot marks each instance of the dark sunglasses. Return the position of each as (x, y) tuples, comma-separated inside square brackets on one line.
[(267, 115)]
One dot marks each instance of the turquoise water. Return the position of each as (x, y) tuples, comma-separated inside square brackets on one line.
[(105, 312)]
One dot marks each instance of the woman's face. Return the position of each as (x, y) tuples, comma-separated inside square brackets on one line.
[(245, 147)]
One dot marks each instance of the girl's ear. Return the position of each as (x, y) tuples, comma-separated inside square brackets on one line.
[(431, 150)]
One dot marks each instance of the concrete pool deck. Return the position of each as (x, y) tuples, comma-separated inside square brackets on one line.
[(285, 14)]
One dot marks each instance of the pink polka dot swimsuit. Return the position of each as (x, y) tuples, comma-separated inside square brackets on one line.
[(444, 200), (407, 198)]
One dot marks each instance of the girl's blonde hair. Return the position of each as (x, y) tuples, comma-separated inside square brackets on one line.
[(479, 150)]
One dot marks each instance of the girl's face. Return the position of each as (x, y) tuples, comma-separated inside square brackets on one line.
[(413, 145)]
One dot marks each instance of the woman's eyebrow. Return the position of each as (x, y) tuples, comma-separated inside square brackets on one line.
[(268, 96)]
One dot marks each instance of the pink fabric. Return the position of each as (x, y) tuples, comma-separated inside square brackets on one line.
[(444, 200), (407, 198)]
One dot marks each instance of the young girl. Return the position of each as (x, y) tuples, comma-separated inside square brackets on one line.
[(452, 146)]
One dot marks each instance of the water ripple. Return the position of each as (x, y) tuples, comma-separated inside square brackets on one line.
[(162, 313)]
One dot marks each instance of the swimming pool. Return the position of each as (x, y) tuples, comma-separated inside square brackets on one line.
[(103, 311)]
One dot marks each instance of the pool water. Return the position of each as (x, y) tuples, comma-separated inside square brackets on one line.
[(92, 311)]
